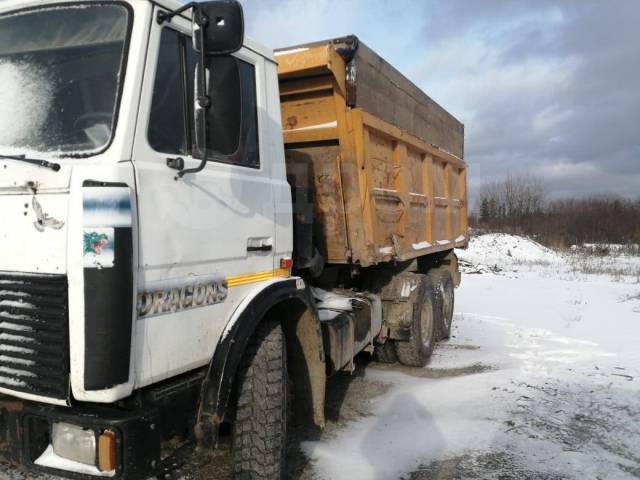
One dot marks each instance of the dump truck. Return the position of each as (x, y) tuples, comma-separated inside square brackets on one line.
[(197, 232)]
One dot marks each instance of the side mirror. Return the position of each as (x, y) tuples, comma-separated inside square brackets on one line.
[(223, 25), (218, 29)]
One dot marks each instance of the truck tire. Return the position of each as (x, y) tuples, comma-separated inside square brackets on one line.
[(385, 352), (260, 427), (415, 352), (445, 298)]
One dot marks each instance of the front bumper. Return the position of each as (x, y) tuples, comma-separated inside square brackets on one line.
[(25, 434)]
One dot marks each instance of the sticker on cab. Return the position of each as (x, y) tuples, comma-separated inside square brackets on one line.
[(99, 248)]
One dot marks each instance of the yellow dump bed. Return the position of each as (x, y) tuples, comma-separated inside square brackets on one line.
[(382, 161)]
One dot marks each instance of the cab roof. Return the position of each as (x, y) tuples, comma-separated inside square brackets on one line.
[(9, 5)]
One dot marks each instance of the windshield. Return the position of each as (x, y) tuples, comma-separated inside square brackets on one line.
[(60, 74)]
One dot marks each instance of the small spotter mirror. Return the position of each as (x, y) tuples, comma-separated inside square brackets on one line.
[(223, 25)]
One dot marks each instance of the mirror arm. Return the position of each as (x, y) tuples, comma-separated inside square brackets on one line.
[(204, 101), (200, 18), (167, 16)]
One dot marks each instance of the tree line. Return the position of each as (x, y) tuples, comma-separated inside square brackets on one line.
[(520, 204)]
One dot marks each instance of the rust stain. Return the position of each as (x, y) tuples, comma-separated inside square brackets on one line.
[(12, 406), (292, 121)]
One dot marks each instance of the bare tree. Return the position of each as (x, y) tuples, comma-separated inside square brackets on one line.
[(519, 204), (510, 201)]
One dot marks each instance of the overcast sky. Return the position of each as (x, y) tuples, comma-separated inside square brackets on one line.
[(548, 88)]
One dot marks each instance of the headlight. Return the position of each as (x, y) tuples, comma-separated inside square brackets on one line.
[(74, 443)]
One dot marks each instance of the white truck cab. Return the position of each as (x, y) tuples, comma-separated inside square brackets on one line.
[(147, 269), (124, 108), (146, 243)]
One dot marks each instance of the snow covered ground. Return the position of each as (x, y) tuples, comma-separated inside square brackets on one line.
[(539, 381)]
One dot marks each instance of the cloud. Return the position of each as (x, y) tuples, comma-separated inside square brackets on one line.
[(547, 87)]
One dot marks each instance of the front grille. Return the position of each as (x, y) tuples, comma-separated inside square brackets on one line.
[(34, 334)]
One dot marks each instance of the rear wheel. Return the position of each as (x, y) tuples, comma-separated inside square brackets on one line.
[(445, 297), (260, 427), (422, 337)]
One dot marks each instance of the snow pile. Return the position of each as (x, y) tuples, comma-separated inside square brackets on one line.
[(497, 251), (330, 304)]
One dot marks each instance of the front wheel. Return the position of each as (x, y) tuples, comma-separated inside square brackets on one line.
[(260, 427)]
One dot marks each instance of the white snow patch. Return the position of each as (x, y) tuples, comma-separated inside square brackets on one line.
[(407, 288), (12, 382), (17, 361), (13, 349), (16, 372), (505, 251), (25, 100), (15, 327), (12, 316), (50, 459), (385, 190), (607, 247), (15, 338), (314, 127), (15, 294), (14, 303), (287, 52), (330, 304)]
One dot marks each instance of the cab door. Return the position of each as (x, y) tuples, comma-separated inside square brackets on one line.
[(204, 238)]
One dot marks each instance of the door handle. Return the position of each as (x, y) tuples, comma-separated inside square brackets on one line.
[(259, 244), (175, 163), (260, 248)]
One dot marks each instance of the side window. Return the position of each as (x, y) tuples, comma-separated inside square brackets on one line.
[(249, 132), (167, 121), (233, 117)]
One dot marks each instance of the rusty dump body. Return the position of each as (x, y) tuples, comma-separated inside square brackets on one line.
[(382, 162)]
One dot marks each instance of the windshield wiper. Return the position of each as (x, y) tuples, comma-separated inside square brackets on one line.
[(41, 163)]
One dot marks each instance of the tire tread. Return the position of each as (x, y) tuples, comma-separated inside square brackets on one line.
[(441, 278), (261, 415)]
